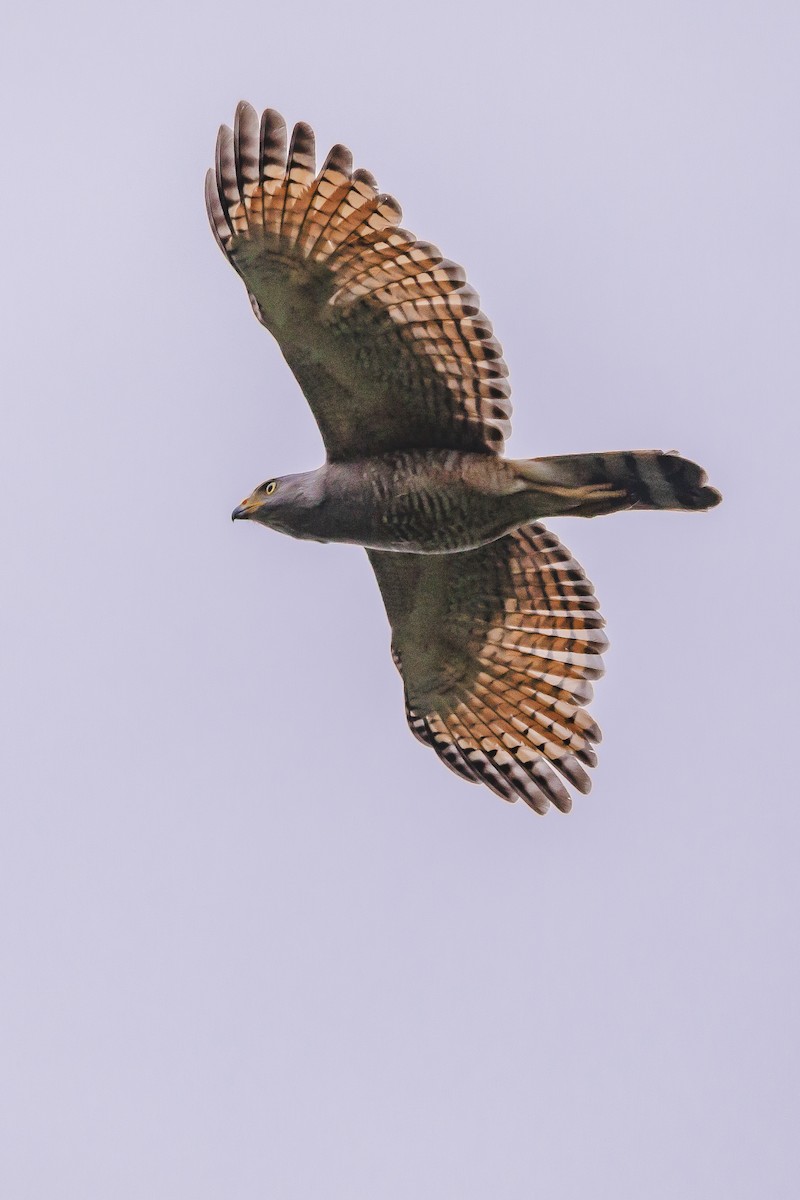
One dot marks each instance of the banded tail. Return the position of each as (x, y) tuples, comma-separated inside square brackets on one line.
[(590, 485)]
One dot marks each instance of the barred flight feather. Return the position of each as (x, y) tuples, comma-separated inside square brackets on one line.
[(496, 647), (410, 358)]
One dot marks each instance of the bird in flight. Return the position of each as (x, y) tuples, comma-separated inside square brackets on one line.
[(495, 628)]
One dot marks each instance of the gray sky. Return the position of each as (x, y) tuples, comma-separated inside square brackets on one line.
[(255, 941)]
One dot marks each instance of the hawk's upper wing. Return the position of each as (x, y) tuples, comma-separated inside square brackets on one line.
[(385, 337), (497, 647)]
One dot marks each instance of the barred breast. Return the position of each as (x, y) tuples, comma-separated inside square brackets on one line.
[(425, 501)]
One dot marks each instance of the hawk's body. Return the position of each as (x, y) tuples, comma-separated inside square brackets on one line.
[(444, 501), (495, 628), (425, 501)]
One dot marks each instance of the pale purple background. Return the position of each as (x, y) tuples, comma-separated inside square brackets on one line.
[(256, 942)]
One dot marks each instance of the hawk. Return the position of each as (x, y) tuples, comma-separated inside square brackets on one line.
[(495, 628)]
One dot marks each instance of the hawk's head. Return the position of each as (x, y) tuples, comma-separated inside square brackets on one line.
[(284, 504)]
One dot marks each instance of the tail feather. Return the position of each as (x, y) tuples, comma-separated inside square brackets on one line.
[(590, 485)]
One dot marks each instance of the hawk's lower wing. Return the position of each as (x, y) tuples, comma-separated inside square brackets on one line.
[(383, 334), (497, 648)]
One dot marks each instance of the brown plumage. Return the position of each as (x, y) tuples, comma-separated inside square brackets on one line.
[(495, 628), (498, 647), (384, 335)]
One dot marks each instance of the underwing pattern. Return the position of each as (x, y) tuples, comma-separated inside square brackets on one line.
[(384, 335)]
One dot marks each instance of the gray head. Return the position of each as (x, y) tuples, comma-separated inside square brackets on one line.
[(286, 503)]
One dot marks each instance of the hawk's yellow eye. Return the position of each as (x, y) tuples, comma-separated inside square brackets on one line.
[(269, 488)]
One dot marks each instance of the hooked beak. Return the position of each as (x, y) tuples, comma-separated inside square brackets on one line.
[(243, 511)]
